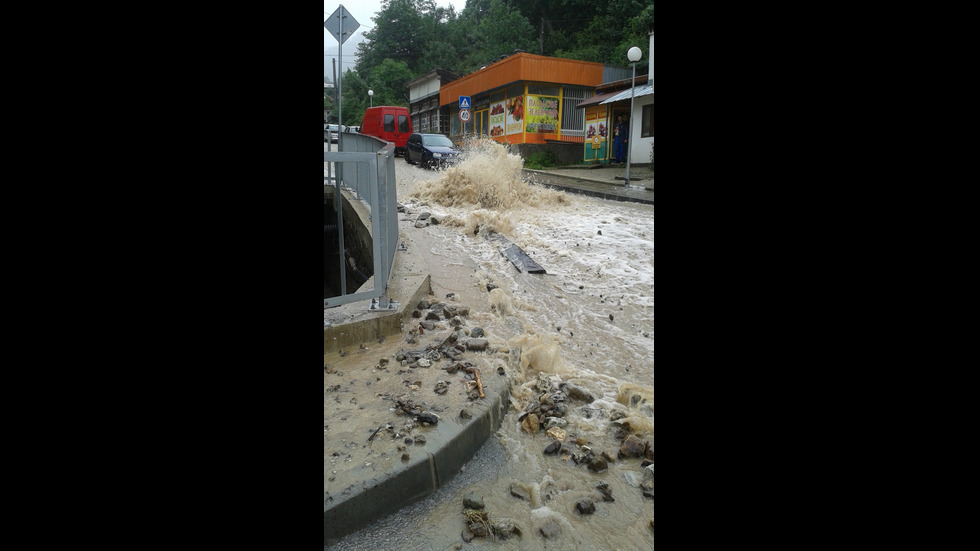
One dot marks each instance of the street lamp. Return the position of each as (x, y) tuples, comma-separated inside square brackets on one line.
[(634, 55), (371, 95)]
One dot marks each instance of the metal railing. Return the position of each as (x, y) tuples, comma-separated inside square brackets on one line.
[(366, 166)]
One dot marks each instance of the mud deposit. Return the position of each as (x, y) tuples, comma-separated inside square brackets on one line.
[(580, 336)]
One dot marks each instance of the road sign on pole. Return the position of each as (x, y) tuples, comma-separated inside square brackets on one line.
[(464, 102), (341, 32), (464, 115)]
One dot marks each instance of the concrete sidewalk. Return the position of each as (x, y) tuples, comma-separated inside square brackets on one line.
[(386, 383), (602, 181)]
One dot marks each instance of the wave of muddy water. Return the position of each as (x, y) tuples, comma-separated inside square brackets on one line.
[(589, 321)]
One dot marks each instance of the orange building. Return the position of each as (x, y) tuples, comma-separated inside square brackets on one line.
[(526, 98)]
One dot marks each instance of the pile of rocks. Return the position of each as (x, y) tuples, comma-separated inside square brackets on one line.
[(477, 523), (546, 412)]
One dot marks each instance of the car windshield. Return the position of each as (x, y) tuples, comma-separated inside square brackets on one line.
[(436, 140)]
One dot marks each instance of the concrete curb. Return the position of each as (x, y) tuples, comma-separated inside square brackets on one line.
[(596, 188), (377, 325), (454, 444)]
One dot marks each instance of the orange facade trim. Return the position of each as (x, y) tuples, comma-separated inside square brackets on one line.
[(522, 67)]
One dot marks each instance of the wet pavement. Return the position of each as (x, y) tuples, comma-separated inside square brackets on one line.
[(607, 182)]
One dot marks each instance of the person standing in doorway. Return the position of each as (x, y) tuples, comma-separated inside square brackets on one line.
[(620, 139)]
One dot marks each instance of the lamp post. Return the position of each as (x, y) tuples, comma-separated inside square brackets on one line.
[(371, 95), (634, 55)]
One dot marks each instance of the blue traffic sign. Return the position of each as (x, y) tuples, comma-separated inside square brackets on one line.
[(464, 102)]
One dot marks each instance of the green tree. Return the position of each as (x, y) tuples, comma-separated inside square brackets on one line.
[(355, 98), (401, 32), (499, 30), (388, 81)]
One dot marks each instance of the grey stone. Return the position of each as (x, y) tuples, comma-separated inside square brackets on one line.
[(505, 528), (579, 393), (549, 529), (477, 344), (473, 501)]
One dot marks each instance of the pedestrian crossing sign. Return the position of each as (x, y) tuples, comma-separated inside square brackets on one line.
[(464, 102)]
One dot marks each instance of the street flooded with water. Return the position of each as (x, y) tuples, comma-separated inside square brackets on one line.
[(583, 329)]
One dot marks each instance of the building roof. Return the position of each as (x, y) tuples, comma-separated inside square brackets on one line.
[(596, 100), (522, 66), (641, 91)]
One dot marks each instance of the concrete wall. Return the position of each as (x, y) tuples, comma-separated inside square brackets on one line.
[(640, 147), (567, 152), (357, 237)]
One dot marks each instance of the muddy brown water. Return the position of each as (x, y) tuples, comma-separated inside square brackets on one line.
[(588, 321)]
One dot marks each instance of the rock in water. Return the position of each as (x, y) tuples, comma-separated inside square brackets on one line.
[(505, 528), (597, 464), (517, 490), (477, 345), (549, 529), (632, 447), (530, 423), (579, 393), (585, 506), (606, 491)]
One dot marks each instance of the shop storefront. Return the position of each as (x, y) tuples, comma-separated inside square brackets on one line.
[(526, 98)]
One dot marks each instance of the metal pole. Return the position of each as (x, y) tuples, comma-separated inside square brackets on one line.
[(632, 91), (340, 167), (340, 107)]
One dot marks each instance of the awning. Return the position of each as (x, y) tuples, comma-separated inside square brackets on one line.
[(644, 90), (596, 100)]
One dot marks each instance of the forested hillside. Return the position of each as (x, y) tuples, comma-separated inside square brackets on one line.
[(411, 37)]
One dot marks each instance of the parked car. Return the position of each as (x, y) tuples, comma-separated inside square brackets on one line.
[(334, 129), (431, 150), (389, 123)]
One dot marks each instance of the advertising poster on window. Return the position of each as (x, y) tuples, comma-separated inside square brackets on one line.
[(595, 123), (497, 120), (542, 114), (515, 115)]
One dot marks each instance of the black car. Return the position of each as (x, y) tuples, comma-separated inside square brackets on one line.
[(431, 149)]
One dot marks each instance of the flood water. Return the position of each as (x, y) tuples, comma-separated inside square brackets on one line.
[(588, 321)]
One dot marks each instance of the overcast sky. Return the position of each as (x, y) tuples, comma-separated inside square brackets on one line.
[(363, 11)]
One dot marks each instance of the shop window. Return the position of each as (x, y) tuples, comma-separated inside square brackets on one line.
[(572, 118), (647, 120), (542, 89)]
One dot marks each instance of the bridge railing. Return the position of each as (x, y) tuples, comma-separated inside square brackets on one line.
[(365, 165)]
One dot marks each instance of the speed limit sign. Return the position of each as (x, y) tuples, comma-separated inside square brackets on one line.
[(464, 115)]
